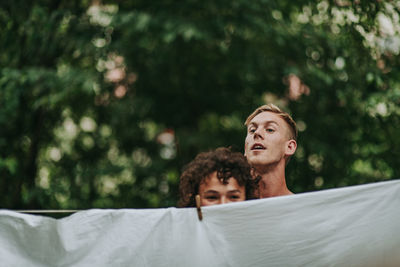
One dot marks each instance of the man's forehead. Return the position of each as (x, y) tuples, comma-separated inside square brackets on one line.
[(212, 180), (266, 117)]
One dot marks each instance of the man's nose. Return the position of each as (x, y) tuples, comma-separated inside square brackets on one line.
[(257, 133), (224, 200)]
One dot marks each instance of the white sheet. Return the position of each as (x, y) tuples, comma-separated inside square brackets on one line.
[(352, 226)]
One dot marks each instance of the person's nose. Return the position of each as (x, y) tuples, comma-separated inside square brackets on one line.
[(257, 133), (224, 200)]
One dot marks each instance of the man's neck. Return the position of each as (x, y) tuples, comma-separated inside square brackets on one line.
[(272, 182)]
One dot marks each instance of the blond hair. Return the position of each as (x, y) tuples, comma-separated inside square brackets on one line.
[(274, 109)]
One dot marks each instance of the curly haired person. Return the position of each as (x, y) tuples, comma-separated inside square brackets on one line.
[(219, 176)]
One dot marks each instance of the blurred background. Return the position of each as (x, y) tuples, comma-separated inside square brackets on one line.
[(103, 102)]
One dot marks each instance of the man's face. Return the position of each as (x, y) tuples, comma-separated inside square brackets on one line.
[(267, 139), (212, 191)]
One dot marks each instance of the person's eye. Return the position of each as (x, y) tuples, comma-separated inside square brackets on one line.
[(211, 197), (252, 130), (235, 197), (270, 130)]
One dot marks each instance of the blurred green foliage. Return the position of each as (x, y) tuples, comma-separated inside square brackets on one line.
[(103, 102)]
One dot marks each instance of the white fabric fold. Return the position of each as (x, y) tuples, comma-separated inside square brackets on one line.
[(351, 226)]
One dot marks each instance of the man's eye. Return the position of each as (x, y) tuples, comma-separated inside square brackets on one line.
[(252, 130), (270, 130), (235, 197), (211, 197)]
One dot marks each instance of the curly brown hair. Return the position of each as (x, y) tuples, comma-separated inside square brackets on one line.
[(226, 163)]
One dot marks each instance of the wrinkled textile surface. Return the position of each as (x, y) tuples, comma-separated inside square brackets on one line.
[(352, 226)]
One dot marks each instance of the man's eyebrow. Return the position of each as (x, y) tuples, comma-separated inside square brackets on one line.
[(270, 122), (210, 191), (235, 191), (265, 123)]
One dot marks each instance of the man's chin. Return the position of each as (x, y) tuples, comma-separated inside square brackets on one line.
[(256, 161)]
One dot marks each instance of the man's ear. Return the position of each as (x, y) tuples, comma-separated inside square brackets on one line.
[(291, 146)]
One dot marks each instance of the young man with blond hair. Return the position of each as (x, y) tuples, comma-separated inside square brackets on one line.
[(270, 142)]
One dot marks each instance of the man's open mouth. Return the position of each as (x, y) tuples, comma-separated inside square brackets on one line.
[(258, 146)]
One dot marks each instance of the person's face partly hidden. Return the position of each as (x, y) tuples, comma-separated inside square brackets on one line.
[(267, 141), (212, 191)]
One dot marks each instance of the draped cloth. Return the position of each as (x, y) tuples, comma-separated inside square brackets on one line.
[(350, 226)]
